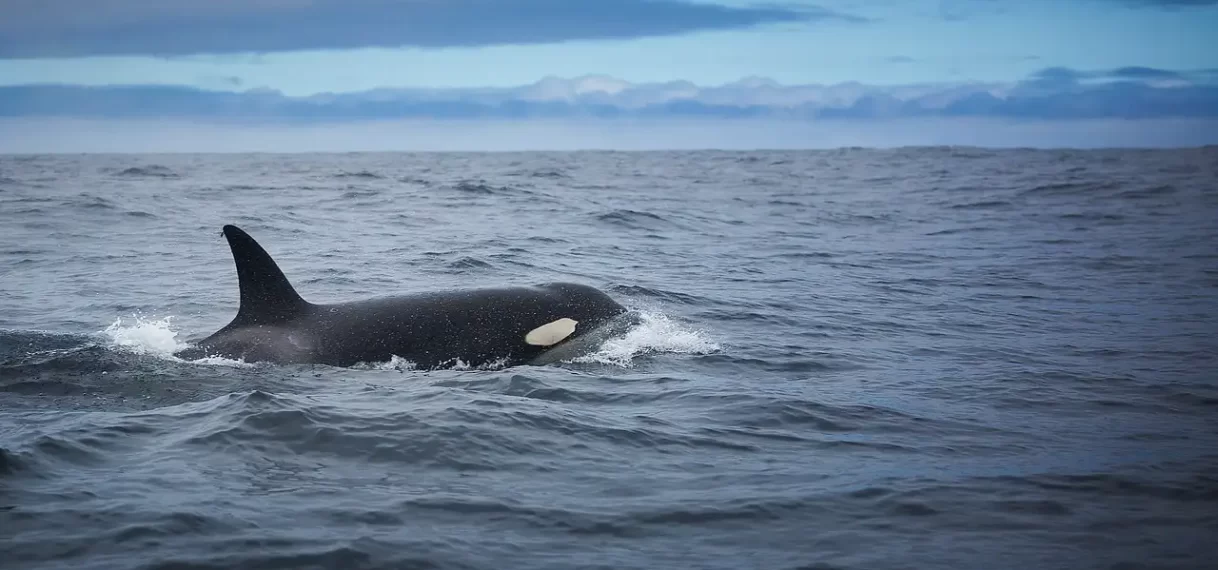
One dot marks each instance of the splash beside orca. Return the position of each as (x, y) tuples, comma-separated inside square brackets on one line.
[(504, 326)]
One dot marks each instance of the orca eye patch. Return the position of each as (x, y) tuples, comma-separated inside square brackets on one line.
[(551, 333)]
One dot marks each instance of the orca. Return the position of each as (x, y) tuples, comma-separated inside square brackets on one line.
[(503, 326)]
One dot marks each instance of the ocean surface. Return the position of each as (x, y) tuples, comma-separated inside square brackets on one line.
[(865, 359)]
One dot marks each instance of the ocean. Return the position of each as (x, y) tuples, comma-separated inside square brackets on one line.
[(855, 358)]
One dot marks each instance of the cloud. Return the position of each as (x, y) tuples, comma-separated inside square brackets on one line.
[(1057, 75), (73, 28), (1144, 73), (959, 10), (221, 81), (1171, 3), (1063, 78), (1053, 93)]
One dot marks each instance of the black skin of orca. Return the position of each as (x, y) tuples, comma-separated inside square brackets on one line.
[(432, 330)]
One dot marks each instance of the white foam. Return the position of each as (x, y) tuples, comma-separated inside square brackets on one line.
[(154, 337), (401, 364), (394, 363), (656, 333), (217, 361), (497, 364)]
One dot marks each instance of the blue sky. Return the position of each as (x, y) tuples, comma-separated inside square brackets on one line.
[(1096, 59), (303, 47)]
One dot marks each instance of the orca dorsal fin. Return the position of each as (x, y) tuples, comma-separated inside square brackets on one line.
[(266, 295)]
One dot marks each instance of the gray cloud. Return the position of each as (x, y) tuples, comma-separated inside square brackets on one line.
[(1136, 72), (958, 10), (1060, 76), (1172, 3), (1054, 93), (72, 28)]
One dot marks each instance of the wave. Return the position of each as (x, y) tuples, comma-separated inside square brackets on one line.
[(356, 194), (831, 368), (660, 294), (656, 334), (468, 262), (1150, 192), (1065, 189), (1091, 216), (359, 174), (552, 173), (472, 187), (149, 171), (983, 205), (26, 355), (954, 231), (87, 201), (634, 219)]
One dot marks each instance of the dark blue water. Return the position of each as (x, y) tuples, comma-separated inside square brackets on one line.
[(916, 358)]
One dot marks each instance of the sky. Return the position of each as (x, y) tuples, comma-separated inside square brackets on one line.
[(821, 62)]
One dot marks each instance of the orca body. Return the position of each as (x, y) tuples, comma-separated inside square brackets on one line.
[(501, 326)]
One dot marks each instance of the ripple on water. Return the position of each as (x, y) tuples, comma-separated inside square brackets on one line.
[(923, 358)]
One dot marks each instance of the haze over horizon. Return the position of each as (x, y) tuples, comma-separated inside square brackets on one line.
[(129, 75)]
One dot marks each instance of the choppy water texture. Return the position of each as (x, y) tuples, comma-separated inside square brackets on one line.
[(916, 358)]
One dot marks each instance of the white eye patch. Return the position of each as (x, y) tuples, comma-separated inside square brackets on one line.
[(552, 333)]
